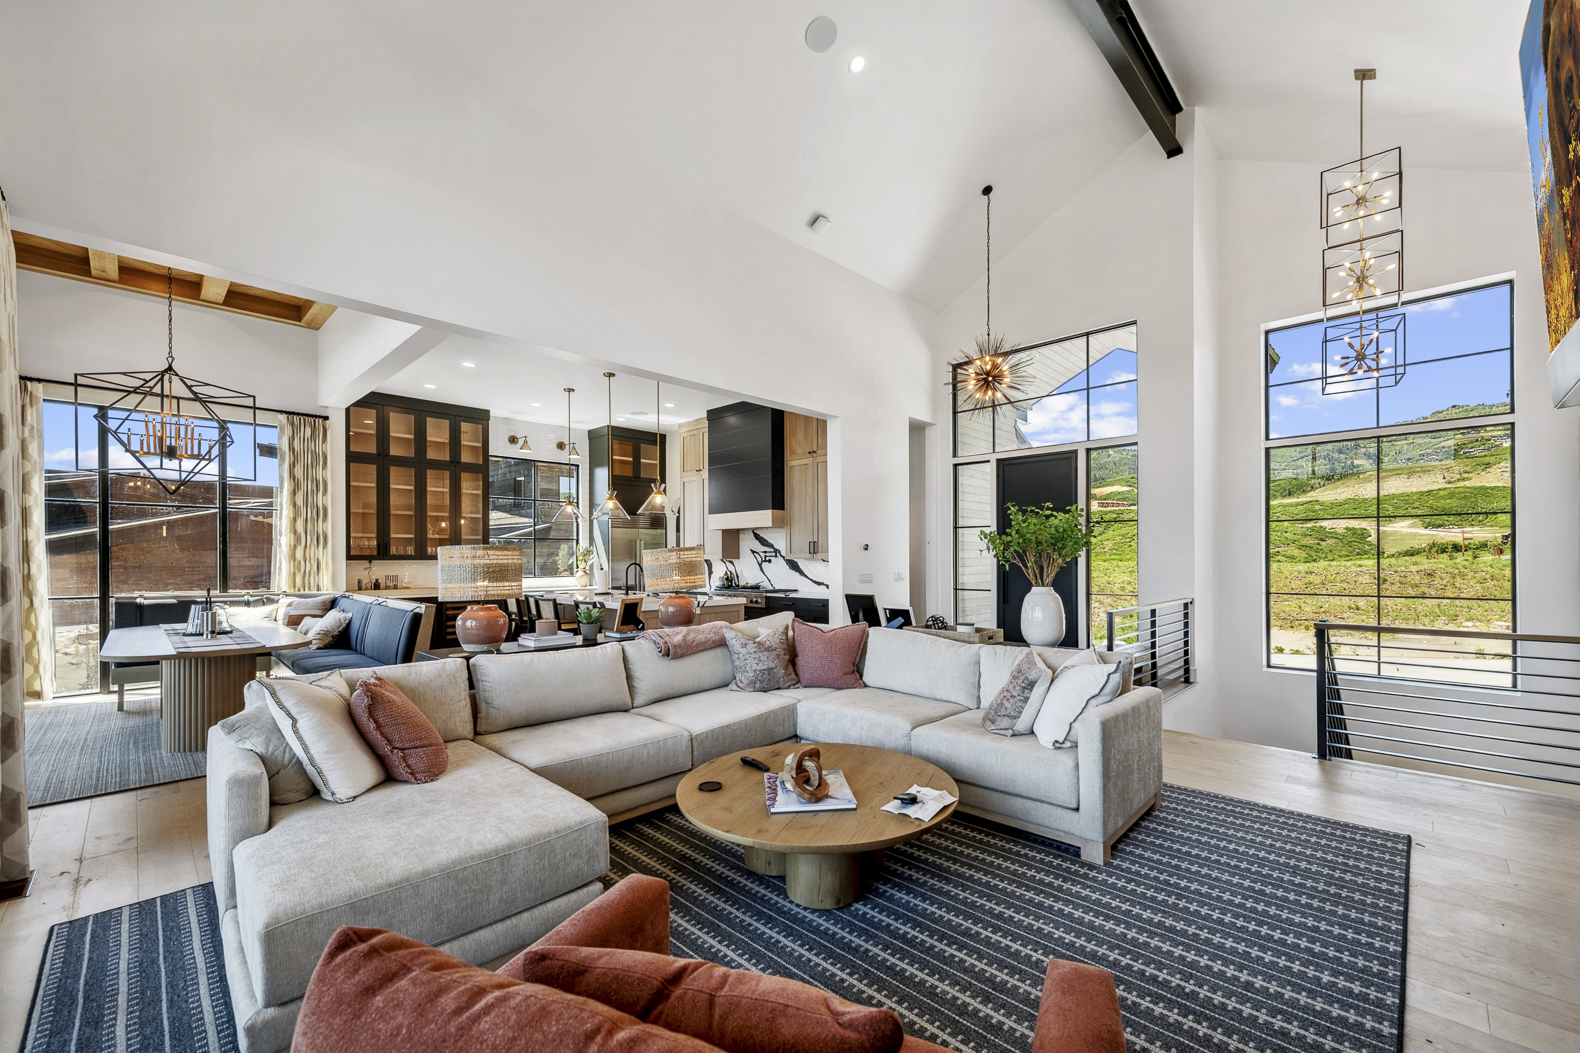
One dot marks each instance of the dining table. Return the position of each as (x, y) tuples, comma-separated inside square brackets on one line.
[(201, 679)]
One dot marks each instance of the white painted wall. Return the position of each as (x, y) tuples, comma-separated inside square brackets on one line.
[(1202, 251), (67, 327)]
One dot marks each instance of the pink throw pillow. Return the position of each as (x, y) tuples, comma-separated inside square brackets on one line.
[(407, 743), (828, 659)]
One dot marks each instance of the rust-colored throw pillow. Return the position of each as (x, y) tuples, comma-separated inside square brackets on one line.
[(380, 992), (406, 742), (735, 1010), (828, 658)]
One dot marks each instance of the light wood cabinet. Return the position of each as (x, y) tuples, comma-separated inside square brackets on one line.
[(806, 485), (716, 544)]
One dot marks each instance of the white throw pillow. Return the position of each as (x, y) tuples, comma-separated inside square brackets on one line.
[(1078, 687), (322, 631), (315, 719)]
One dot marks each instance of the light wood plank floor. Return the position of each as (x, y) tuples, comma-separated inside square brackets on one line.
[(1494, 952)]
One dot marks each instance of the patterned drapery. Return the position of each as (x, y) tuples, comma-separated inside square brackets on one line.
[(13, 770), (301, 518), (38, 631)]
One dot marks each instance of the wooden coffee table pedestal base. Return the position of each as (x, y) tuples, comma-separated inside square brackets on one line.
[(765, 862), (823, 881)]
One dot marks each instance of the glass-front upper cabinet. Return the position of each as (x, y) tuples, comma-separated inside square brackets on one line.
[(407, 492)]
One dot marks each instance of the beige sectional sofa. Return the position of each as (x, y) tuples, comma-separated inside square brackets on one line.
[(554, 746)]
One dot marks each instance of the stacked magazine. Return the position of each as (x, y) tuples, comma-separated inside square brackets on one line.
[(782, 799)]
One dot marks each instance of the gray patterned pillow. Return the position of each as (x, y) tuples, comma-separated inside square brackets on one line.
[(762, 664), (1014, 709)]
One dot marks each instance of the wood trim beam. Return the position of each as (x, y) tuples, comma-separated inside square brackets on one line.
[(213, 289), (1118, 35), (106, 266), (61, 259)]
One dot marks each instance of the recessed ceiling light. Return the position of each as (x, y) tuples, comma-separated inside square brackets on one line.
[(669, 405), (430, 385), (537, 403), (858, 64), (469, 365), (620, 418)]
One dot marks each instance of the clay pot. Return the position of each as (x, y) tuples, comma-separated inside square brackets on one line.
[(481, 627), (676, 610)]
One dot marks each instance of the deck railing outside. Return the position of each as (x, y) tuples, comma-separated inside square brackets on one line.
[(1496, 702), (1160, 636)]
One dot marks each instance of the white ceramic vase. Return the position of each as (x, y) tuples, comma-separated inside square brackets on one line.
[(1042, 618), (583, 579)]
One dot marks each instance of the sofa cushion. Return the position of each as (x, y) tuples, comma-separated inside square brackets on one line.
[(406, 742), (433, 860), (383, 632), (1014, 709), (829, 658), (1078, 687), (762, 664), (308, 660), (752, 628), (800, 694), (519, 690), (723, 721), (870, 717), (438, 689), (254, 730), (731, 1008), (918, 664), (315, 718), (596, 754), (1057, 656), (654, 678), (380, 992), (1020, 765)]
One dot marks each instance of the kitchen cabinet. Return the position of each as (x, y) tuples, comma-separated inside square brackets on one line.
[(806, 485), (716, 544), (414, 478)]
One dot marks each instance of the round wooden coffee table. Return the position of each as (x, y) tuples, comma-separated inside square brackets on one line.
[(819, 855)]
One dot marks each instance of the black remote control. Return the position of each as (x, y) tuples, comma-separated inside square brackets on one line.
[(753, 762), (906, 798)]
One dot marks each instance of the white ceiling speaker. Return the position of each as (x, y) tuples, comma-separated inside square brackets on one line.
[(821, 33), (818, 223)]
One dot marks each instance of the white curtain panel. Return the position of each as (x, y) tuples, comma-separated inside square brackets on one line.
[(38, 631), (13, 770), (301, 518)]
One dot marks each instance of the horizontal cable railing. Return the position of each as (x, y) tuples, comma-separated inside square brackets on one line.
[(1494, 702), (1160, 637)]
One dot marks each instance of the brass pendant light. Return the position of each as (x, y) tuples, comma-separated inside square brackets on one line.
[(569, 508), (988, 375), (657, 502), (611, 508)]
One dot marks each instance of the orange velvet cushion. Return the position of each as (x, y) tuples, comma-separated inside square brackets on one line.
[(738, 1011), (407, 743), (379, 992)]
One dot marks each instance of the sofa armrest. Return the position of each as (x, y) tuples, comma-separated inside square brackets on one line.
[(1121, 757), (632, 916), (238, 808), (1080, 1011)]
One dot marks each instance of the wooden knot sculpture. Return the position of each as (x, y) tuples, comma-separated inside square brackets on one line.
[(803, 773)]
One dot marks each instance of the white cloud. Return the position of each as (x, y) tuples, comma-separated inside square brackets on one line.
[(1056, 419), (1113, 418), (1306, 369), (1286, 401), (1443, 303)]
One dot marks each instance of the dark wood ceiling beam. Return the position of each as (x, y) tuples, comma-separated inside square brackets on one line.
[(1113, 27)]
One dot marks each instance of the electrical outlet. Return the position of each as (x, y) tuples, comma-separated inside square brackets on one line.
[(864, 579), (898, 576)]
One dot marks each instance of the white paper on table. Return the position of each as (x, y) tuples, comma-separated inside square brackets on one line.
[(929, 803)]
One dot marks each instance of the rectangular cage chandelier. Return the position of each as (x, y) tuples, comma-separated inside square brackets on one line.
[(1362, 220)]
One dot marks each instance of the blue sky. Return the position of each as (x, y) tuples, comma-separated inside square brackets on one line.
[(1436, 332), (61, 439)]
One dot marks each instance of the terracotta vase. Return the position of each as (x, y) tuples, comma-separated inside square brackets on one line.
[(676, 610), (481, 627)]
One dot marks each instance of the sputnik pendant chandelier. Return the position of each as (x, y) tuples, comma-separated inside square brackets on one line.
[(1363, 340), (987, 375)]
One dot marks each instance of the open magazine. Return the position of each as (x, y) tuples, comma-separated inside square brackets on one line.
[(782, 799)]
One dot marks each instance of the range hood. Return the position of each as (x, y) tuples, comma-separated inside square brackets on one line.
[(746, 467)]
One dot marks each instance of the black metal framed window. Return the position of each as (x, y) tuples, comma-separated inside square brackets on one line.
[(111, 530), (523, 498), (1114, 511), (1407, 517)]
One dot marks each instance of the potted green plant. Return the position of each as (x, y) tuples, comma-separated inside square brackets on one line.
[(590, 621), (1040, 540)]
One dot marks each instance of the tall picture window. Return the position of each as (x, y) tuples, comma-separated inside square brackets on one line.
[(1390, 525), (1111, 477), (211, 534), (523, 498)]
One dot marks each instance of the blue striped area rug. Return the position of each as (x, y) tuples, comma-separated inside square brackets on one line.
[(1227, 925), (146, 977)]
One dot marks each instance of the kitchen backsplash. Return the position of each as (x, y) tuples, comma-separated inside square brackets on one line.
[(763, 561)]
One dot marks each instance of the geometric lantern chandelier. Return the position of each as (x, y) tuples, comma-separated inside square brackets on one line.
[(168, 423), (988, 375), (1363, 338)]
